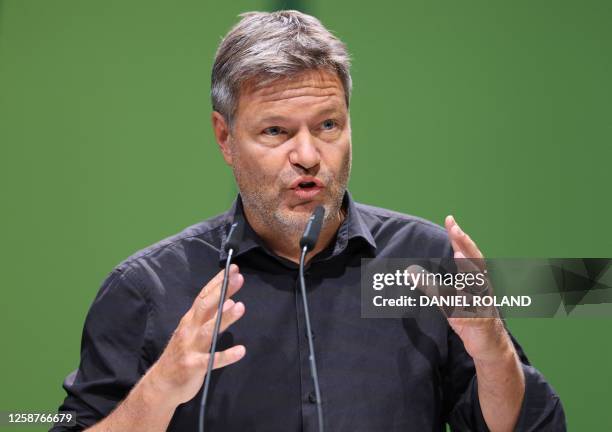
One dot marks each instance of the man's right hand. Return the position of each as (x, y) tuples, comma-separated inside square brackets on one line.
[(178, 374), (179, 371)]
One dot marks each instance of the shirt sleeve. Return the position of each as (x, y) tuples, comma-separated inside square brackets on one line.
[(112, 352), (541, 409)]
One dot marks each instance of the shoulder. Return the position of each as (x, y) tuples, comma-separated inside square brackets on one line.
[(380, 215), (202, 240), (412, 234)]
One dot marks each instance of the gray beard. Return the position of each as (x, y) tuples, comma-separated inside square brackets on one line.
[(287, 225)]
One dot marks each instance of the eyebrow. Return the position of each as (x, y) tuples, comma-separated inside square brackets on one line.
[(280, 118)]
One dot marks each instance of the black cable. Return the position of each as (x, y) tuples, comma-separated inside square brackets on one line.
[(213, 344), (232, 244), (313, 364)]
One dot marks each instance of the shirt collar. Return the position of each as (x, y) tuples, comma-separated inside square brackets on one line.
[(353, 227)]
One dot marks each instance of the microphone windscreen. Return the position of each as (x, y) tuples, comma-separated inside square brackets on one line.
[(234, 237), (313, 229)]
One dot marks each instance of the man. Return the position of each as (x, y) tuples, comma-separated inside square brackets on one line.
[(281, 90)]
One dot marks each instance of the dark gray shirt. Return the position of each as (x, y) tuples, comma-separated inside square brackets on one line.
[(375, 374)]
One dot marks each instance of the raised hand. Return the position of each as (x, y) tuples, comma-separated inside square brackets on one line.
[(181, 368)]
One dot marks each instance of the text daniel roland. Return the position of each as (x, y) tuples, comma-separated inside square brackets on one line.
[(453, 301)]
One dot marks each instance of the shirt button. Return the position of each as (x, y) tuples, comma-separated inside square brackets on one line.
[(311, 333), (312, 398)]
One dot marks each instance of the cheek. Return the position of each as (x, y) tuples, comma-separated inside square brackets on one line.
[(260, 163), (338, 158)]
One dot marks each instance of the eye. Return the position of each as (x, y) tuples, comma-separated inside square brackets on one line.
[(272, 131), (328, 124)]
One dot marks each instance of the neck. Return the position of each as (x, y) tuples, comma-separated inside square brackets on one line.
[(288, 246)]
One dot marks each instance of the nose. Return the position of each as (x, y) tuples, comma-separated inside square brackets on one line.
[(304, 153)]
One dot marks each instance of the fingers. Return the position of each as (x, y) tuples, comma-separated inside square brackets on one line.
[(229, 356), (466, 265), (206, 303), (186, 356), (214, 282), (432, 289), (460, 240), (427, 286), (468, 257), (232, 312)]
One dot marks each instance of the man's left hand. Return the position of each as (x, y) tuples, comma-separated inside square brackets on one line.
[(485, 339)]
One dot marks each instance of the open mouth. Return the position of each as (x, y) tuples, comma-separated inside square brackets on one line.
[(306, 185), (307, 189)]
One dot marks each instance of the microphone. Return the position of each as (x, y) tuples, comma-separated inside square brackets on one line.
[(234, 237), (313, 229), (232, 245), (307, 243)]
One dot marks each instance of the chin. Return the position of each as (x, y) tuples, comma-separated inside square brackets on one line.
[(295, 219)]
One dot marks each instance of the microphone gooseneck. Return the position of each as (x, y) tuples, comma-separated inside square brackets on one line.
[(307, 243), (232, 245)]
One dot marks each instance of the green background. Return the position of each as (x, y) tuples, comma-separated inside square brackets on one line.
[(496, 112)]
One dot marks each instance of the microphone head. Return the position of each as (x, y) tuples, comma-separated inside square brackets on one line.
[(313, 229), (234, 237)]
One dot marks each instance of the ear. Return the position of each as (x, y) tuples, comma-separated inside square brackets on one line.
[(222, 135)]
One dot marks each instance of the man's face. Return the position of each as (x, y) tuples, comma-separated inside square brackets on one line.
[(290, 149)]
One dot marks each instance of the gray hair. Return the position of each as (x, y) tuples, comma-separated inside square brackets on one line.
[(273, 45)]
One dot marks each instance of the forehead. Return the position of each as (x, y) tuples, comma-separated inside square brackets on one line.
[(309, 90)]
